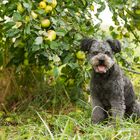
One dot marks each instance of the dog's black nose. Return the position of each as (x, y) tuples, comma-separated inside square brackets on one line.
[(101, 61)]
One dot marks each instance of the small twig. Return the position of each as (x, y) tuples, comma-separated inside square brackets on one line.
[(130, 70)]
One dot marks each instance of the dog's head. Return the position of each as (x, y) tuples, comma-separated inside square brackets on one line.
[(101, 53)]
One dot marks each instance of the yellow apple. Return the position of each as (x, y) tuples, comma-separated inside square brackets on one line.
[(48, 9), (54, 3), (51, 35), (42, 5), (45, 23), (80, 55)]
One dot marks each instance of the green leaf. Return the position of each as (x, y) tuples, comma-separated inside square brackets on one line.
[(61, 32), (19, 43), (84, 2), (114, 34), (40, 11), (49, 1), (17, 17), (73, 65), (44, 54), (136, 59), (38, 40), (111, 28), (27, 6), (56, 58), (101, 8), (55, 72), (8, 25), (54, 45), (78, 36), (27, 29), (35, 48), (12, 32)]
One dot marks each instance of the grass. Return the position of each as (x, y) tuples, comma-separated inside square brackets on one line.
[(71, 124)]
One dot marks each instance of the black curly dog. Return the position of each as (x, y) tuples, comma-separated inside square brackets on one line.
[(111, 90)]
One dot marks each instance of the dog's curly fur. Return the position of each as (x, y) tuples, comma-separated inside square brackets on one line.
[(111, 90)]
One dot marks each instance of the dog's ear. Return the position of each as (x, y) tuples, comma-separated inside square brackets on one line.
[(115, 45), (86, 44)]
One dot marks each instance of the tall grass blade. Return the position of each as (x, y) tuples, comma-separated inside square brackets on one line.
[(51, 135)]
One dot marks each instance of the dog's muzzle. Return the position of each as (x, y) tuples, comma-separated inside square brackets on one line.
[(99, 63), (101, 68)]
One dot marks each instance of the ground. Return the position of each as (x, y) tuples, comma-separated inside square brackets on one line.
[(69, 124)]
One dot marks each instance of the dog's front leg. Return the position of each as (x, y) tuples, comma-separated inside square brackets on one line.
[(98, 113), (117, 107)]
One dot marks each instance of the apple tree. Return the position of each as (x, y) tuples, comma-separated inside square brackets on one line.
[(40, 40), (43, 38)]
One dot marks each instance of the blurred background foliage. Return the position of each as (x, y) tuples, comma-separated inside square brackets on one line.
[(40, 58)]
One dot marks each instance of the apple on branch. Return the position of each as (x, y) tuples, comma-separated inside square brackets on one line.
[(45, 23), (51, 35)]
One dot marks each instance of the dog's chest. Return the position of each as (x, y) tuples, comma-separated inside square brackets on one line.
[(103, 87), (104, 92)]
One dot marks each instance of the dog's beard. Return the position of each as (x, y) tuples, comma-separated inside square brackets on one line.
[(101, 68)]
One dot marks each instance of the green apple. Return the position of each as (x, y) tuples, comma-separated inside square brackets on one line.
[(48, 9), (51, 35), (54, 3), (42, 5), (80, 55), (45, 23), (34, 15), (26, 62), (20, 8)]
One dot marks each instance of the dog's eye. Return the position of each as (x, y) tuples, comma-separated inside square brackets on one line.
[(107, 52)]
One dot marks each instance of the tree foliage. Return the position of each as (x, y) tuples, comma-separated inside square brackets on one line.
[(27, 41), (126, 16), (24, 41)]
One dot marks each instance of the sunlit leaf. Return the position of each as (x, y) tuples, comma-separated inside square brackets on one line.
[(38, 40)]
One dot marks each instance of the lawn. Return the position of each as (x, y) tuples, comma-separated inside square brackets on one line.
[(69, 123)]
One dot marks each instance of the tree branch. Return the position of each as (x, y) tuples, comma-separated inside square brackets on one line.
[(130, 70)]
